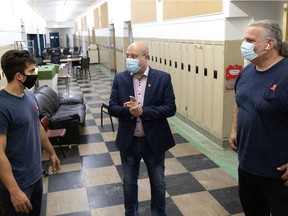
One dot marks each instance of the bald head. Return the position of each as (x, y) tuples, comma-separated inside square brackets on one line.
[(140, 47), (137, 51)]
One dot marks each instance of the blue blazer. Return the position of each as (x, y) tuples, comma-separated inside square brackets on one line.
[(159, 104)]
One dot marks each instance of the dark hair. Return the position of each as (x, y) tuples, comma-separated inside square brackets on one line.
[(274, 32), (14, 61)]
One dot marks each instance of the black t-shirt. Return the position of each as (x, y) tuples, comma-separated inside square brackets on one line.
[(262, 132)]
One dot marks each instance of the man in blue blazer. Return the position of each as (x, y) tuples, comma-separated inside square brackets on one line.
[(142, 99)]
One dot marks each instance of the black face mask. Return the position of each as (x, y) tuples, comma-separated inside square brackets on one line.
[(30, 81)]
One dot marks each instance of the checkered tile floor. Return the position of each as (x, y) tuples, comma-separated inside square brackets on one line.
[(90, 179)]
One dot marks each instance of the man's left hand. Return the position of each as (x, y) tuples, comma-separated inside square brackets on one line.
[(55, 164), (284, 177)]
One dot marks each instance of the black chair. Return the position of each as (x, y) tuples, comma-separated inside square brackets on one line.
[(104, 109), (39, 60), (84, 66), (66, 51), (75, 49), (55, 60), (48, 51)]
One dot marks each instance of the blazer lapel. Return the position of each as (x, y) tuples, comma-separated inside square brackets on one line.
[(130, 86), (149, 86)]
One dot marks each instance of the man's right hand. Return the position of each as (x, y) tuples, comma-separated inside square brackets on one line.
[(233, 142), (134, 107), (20, 201)]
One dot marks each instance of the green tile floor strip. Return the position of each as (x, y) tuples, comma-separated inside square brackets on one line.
[(225, 158)]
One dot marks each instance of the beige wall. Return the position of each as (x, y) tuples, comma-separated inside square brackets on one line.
[(143, 11), (104, 15), (178, 9)]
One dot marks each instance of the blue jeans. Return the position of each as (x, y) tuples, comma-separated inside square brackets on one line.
[(33, 192), (155, 167)]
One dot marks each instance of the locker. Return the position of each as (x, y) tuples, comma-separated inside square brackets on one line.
[(191, 88), (176, 65), (148, 42), (199, 82), (157, 52), (152, 53), (218, 91), (167, 57), (183, 79), (161, 55), (170, 65), (207, 81)]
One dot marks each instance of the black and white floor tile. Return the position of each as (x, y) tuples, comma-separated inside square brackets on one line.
[(90, 179)]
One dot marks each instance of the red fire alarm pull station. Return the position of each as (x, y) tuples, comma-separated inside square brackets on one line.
[(232, 72)]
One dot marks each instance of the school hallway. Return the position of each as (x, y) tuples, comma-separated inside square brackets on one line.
[(200, 177)]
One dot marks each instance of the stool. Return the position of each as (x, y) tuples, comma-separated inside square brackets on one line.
[(104, 109), (54, 133)]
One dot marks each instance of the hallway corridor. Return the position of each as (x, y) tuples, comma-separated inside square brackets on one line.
[(90, 179)]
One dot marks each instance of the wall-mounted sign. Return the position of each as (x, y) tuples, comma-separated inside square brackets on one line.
[(232, 72)]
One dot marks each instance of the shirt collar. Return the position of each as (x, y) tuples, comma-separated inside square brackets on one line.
[(145, 73)]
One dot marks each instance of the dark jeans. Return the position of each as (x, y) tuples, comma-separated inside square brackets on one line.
[(155, 167), (33, 192), (261, 196)]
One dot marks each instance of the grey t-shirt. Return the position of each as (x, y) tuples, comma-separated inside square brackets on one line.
[(19, 120)]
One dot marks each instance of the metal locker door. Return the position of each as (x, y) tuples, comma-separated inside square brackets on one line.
[(167, 57), (157, 52), (152, 53), (183, 79), (170, 63), (161, 54), (207, 72), (176, 63), (199, 82), (218, 91), (191, 90)]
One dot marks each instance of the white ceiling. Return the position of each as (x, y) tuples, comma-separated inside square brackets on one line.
[(60, 11)]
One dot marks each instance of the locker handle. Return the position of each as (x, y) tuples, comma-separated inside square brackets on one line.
[(170, 63), (165, 62), (160, 60), (156, 59), (182, 66), (189, 67), (196, 69), (205, 71), (215, 74), (152, 58)]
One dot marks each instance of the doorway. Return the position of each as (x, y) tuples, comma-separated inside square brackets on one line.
[(54, 39)]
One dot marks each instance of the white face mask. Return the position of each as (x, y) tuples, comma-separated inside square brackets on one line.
[(133, 65), (247, 50)]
